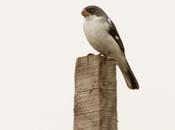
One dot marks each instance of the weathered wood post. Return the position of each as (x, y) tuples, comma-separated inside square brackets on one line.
[(95, 94)]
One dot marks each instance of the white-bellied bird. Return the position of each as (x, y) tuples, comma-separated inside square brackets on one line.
[(103, 36)]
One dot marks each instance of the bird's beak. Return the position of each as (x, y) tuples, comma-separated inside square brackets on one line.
[(84, 13)]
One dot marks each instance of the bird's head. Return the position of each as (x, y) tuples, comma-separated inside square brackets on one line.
[(93, 10)]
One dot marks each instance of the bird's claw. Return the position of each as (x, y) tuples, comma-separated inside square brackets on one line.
[(90, 54)]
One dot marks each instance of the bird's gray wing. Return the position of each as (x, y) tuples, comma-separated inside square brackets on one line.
[(114, 33)]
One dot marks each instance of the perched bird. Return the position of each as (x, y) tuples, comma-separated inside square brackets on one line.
[(103, 36)]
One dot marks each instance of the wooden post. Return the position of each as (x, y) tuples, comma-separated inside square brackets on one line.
[(95, 94)]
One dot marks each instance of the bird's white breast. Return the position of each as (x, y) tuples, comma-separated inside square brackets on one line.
[(96, 31)]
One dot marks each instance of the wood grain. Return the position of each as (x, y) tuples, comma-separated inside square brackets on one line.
[(95, 94)]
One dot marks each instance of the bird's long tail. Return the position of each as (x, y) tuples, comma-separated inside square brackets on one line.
[(129, 76)]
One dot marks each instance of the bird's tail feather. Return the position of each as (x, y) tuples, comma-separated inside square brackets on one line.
[(129, 77)]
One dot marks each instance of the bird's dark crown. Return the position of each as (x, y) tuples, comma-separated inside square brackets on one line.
[(95, 10)]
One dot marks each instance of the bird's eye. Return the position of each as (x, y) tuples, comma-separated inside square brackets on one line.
[(92, 10)]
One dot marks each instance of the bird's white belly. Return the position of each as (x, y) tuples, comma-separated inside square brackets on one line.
[(98, 37)]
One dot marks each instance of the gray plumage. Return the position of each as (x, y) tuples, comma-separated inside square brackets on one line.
[(103, 36)]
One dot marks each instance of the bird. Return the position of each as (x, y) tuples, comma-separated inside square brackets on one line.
[(103, 36)]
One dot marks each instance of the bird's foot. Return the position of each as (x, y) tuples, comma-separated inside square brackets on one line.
[(100, 54), (111, 58), (90, 54)]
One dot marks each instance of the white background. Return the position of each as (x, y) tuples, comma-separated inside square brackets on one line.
[(40, 41)]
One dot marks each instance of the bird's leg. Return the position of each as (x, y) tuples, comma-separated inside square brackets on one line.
[(100, 54), (111, 58)]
